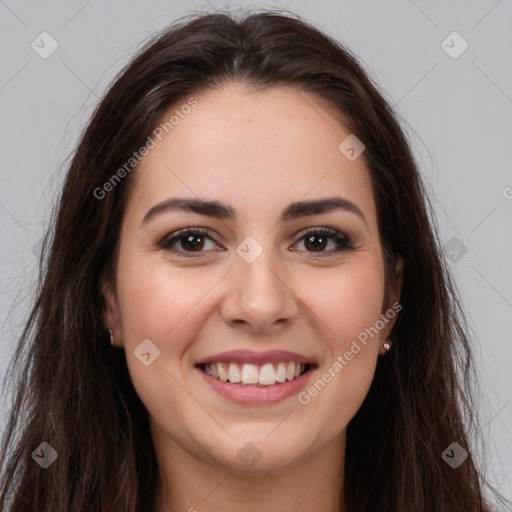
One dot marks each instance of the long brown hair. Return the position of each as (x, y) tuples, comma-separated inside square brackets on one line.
[(73, 391)]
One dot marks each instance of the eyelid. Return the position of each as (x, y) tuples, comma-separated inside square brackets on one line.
[(342, 240), (165, 242)]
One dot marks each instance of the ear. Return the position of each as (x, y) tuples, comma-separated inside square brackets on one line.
[(392, 304), (110, 312)]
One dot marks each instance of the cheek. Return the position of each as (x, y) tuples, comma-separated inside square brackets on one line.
[(169, 306), (346, 300), (348, 305), (156, 298), (335, 396)]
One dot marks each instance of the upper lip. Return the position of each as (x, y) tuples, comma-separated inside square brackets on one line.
[(249, 356)]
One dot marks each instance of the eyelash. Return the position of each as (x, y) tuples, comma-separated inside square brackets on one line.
[(343, 242)]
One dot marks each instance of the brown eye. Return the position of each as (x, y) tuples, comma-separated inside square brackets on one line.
[(190, 240), (317, 240)]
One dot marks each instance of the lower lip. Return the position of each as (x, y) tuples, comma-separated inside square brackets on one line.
[(243, 394)]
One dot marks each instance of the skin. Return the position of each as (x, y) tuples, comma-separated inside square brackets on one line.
[(257, 152)]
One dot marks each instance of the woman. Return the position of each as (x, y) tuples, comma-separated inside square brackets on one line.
[(244, 304)]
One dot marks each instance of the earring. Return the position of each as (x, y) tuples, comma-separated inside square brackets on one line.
[(111, 337), (387, 345)]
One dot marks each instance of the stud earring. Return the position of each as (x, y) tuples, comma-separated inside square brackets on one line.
[(111, 337), (387, 345)]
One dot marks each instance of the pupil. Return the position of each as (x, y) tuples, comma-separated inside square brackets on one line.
[(317, 245), (188, 241)]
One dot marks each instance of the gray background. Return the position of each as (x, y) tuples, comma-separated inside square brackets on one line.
[(456, 111)]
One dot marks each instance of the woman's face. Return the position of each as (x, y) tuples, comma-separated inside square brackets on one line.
[(252, 295)]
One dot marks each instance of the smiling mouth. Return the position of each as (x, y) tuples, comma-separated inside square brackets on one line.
[(252, 375)]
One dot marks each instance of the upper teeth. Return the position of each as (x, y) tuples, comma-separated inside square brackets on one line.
[(265, 375)]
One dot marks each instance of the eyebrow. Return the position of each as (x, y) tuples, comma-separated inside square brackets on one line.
[(220, 210)]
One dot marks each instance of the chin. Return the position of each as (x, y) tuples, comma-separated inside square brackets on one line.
[(260, 452)]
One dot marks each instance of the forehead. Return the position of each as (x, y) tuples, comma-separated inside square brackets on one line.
[(252, 150)]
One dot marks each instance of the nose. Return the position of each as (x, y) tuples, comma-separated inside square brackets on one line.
[(258, 296)]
